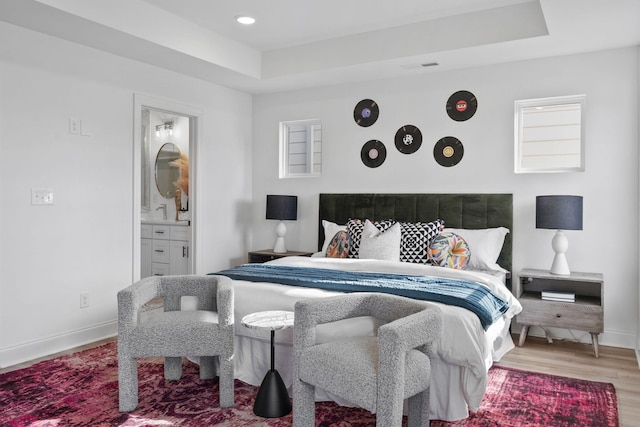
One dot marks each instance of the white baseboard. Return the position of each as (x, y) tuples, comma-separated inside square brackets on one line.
[(25, 352)]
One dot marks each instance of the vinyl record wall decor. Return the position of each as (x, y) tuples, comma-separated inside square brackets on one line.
[(448, 151), (408, 139), (462, 105), (373, 153), (366, 112)]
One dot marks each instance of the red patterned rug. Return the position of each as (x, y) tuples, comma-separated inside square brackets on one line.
[(82, 390)]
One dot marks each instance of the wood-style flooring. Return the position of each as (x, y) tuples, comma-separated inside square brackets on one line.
[(615, 365)]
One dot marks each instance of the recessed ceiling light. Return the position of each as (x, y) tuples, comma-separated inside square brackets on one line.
[(246, 20)]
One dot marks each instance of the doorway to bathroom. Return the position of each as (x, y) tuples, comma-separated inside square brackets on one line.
[(165, 219)]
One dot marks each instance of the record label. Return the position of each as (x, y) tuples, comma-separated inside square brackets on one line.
[(448, 151), (408, 139), (373, 153), (366, 112), (462, 105)]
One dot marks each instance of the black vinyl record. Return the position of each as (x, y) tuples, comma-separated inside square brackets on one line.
[(408, 139), (448, 151), (366, 112), (373, 153), (462, 105)]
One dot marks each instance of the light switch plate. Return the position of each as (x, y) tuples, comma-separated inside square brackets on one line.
[(41, 196), (75, 126)]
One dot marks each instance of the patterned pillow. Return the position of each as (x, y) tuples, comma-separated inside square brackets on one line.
[(354, 230), (330, 230), (416, 238), (338, 247), (449, 250)]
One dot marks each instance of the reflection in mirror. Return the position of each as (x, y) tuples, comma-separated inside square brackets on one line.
[(549, 134), (167, 172), (300, 148)]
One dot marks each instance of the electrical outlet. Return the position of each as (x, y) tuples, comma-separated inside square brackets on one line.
[(41, 196), (84, 299), (75, 126)]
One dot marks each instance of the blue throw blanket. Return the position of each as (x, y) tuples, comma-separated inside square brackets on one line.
[(462, 293)]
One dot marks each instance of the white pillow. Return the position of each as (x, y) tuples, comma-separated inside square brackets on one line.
[(375, 244), (330, 230), (484, 244)]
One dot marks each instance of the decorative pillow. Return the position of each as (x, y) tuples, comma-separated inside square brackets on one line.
[(354, 230), (449, 250), (338, 247), (416, 238), (485, 245), (376, 244), (330, 230)]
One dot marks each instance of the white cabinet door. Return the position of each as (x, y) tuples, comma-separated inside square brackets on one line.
[(161, 251), (179, 257), (160, 269), (146, 249), (164, 250)]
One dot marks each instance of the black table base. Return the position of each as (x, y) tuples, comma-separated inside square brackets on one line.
[(272, 400)]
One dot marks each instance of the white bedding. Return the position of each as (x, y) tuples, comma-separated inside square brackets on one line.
[(459, 365)]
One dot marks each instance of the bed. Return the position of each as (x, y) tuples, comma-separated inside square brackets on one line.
[(468, 347)]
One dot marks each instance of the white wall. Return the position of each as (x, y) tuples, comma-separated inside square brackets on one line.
[(608, 243), (83, 243)]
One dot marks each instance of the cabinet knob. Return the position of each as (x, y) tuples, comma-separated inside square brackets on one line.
[(558, 315)]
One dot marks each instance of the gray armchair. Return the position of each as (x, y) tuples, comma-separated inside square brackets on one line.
[(375, 372), (206, 332)]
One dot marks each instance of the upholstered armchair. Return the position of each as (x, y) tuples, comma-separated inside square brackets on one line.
[(374, 372), (206, 331)]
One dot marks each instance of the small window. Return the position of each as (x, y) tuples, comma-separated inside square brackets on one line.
[(300, 148), (549, 135)]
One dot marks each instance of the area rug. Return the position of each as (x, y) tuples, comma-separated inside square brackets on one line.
[(521, 398), (82, 390)]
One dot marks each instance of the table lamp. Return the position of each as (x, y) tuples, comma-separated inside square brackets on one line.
[(559, 213), (281, 208)]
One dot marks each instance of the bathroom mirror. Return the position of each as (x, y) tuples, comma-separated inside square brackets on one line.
[(549, 134), (300, 148), (166, 174)]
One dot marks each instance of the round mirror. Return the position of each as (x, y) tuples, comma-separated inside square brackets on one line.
[(167, 174)]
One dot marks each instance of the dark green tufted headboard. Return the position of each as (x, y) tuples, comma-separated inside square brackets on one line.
[(457, 210)]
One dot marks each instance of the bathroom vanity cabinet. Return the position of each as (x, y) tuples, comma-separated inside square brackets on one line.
[(164, 248)]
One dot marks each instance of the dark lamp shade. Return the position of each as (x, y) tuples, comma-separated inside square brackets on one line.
[(559, 212), (282, 207)]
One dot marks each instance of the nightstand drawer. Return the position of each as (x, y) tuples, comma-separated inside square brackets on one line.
[(584, 317), (268, 255), (254, 257)]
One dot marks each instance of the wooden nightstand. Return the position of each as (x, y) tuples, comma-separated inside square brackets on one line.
[(585, 314), (265, 255)]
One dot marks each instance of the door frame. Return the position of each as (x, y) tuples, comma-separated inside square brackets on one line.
[(195, 115)]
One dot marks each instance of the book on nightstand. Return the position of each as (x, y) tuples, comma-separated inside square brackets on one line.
[(558, 296)]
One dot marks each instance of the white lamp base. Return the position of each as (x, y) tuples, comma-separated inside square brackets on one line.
[(281, 231), (560, 244)]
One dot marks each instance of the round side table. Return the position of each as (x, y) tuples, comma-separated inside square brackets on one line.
[(272, 400)]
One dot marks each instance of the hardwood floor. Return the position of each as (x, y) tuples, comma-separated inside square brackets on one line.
[(615, 365), (53, 356)]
